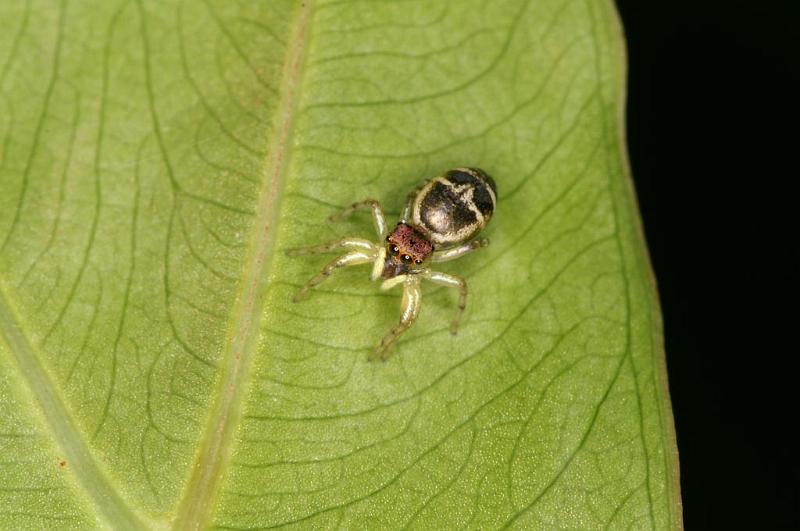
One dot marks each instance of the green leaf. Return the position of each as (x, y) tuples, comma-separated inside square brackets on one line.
[(157, 158)]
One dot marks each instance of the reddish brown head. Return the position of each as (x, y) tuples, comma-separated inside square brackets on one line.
[(407, 248)]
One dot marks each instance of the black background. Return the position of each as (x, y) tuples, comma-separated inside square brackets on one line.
[(713, 141)]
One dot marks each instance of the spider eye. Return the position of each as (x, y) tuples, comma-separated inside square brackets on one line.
[(395, 249), (389, 238), (417, 261), (406, 258)]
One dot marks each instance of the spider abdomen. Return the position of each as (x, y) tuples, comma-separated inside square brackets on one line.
[(454, 207)]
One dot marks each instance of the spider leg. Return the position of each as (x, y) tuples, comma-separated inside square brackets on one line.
[(377, 215), (348, 243), (412, 301), (461, 250), (377, 265), (410, 202), (451, 281), (349, 259)]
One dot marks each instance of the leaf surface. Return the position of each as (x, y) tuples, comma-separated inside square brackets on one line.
[(157, 158)]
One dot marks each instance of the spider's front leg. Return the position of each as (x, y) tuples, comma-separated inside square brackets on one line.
[(378, 219), (349, 259), (347, 243), (412, 301)]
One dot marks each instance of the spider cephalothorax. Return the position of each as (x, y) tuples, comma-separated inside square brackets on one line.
[(407, 249), (438, 224)]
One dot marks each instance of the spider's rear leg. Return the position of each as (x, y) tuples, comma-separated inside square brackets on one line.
[(349, 259), (451, 281), (410, 201), (458, 252)]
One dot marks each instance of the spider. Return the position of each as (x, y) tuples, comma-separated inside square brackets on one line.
[(439, 222)]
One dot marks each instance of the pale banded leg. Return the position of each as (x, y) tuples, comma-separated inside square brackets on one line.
[(348, 243), (412, 301), (410, 202), (451, 281), (349, 259), (461, 250), (377, 215)]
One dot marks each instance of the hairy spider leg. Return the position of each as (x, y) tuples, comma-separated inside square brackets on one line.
[(378, 219), (451, 281), (410, 202), (348, 243), (412, 300), (459, 251), (350, 259)]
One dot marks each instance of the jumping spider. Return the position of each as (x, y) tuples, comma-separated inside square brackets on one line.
[(438, 223)]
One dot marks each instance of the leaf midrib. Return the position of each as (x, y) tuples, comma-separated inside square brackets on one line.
[(114, 510), (194, 509), (195, 506)]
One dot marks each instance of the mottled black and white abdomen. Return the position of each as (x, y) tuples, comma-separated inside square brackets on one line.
[(454, 207)]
